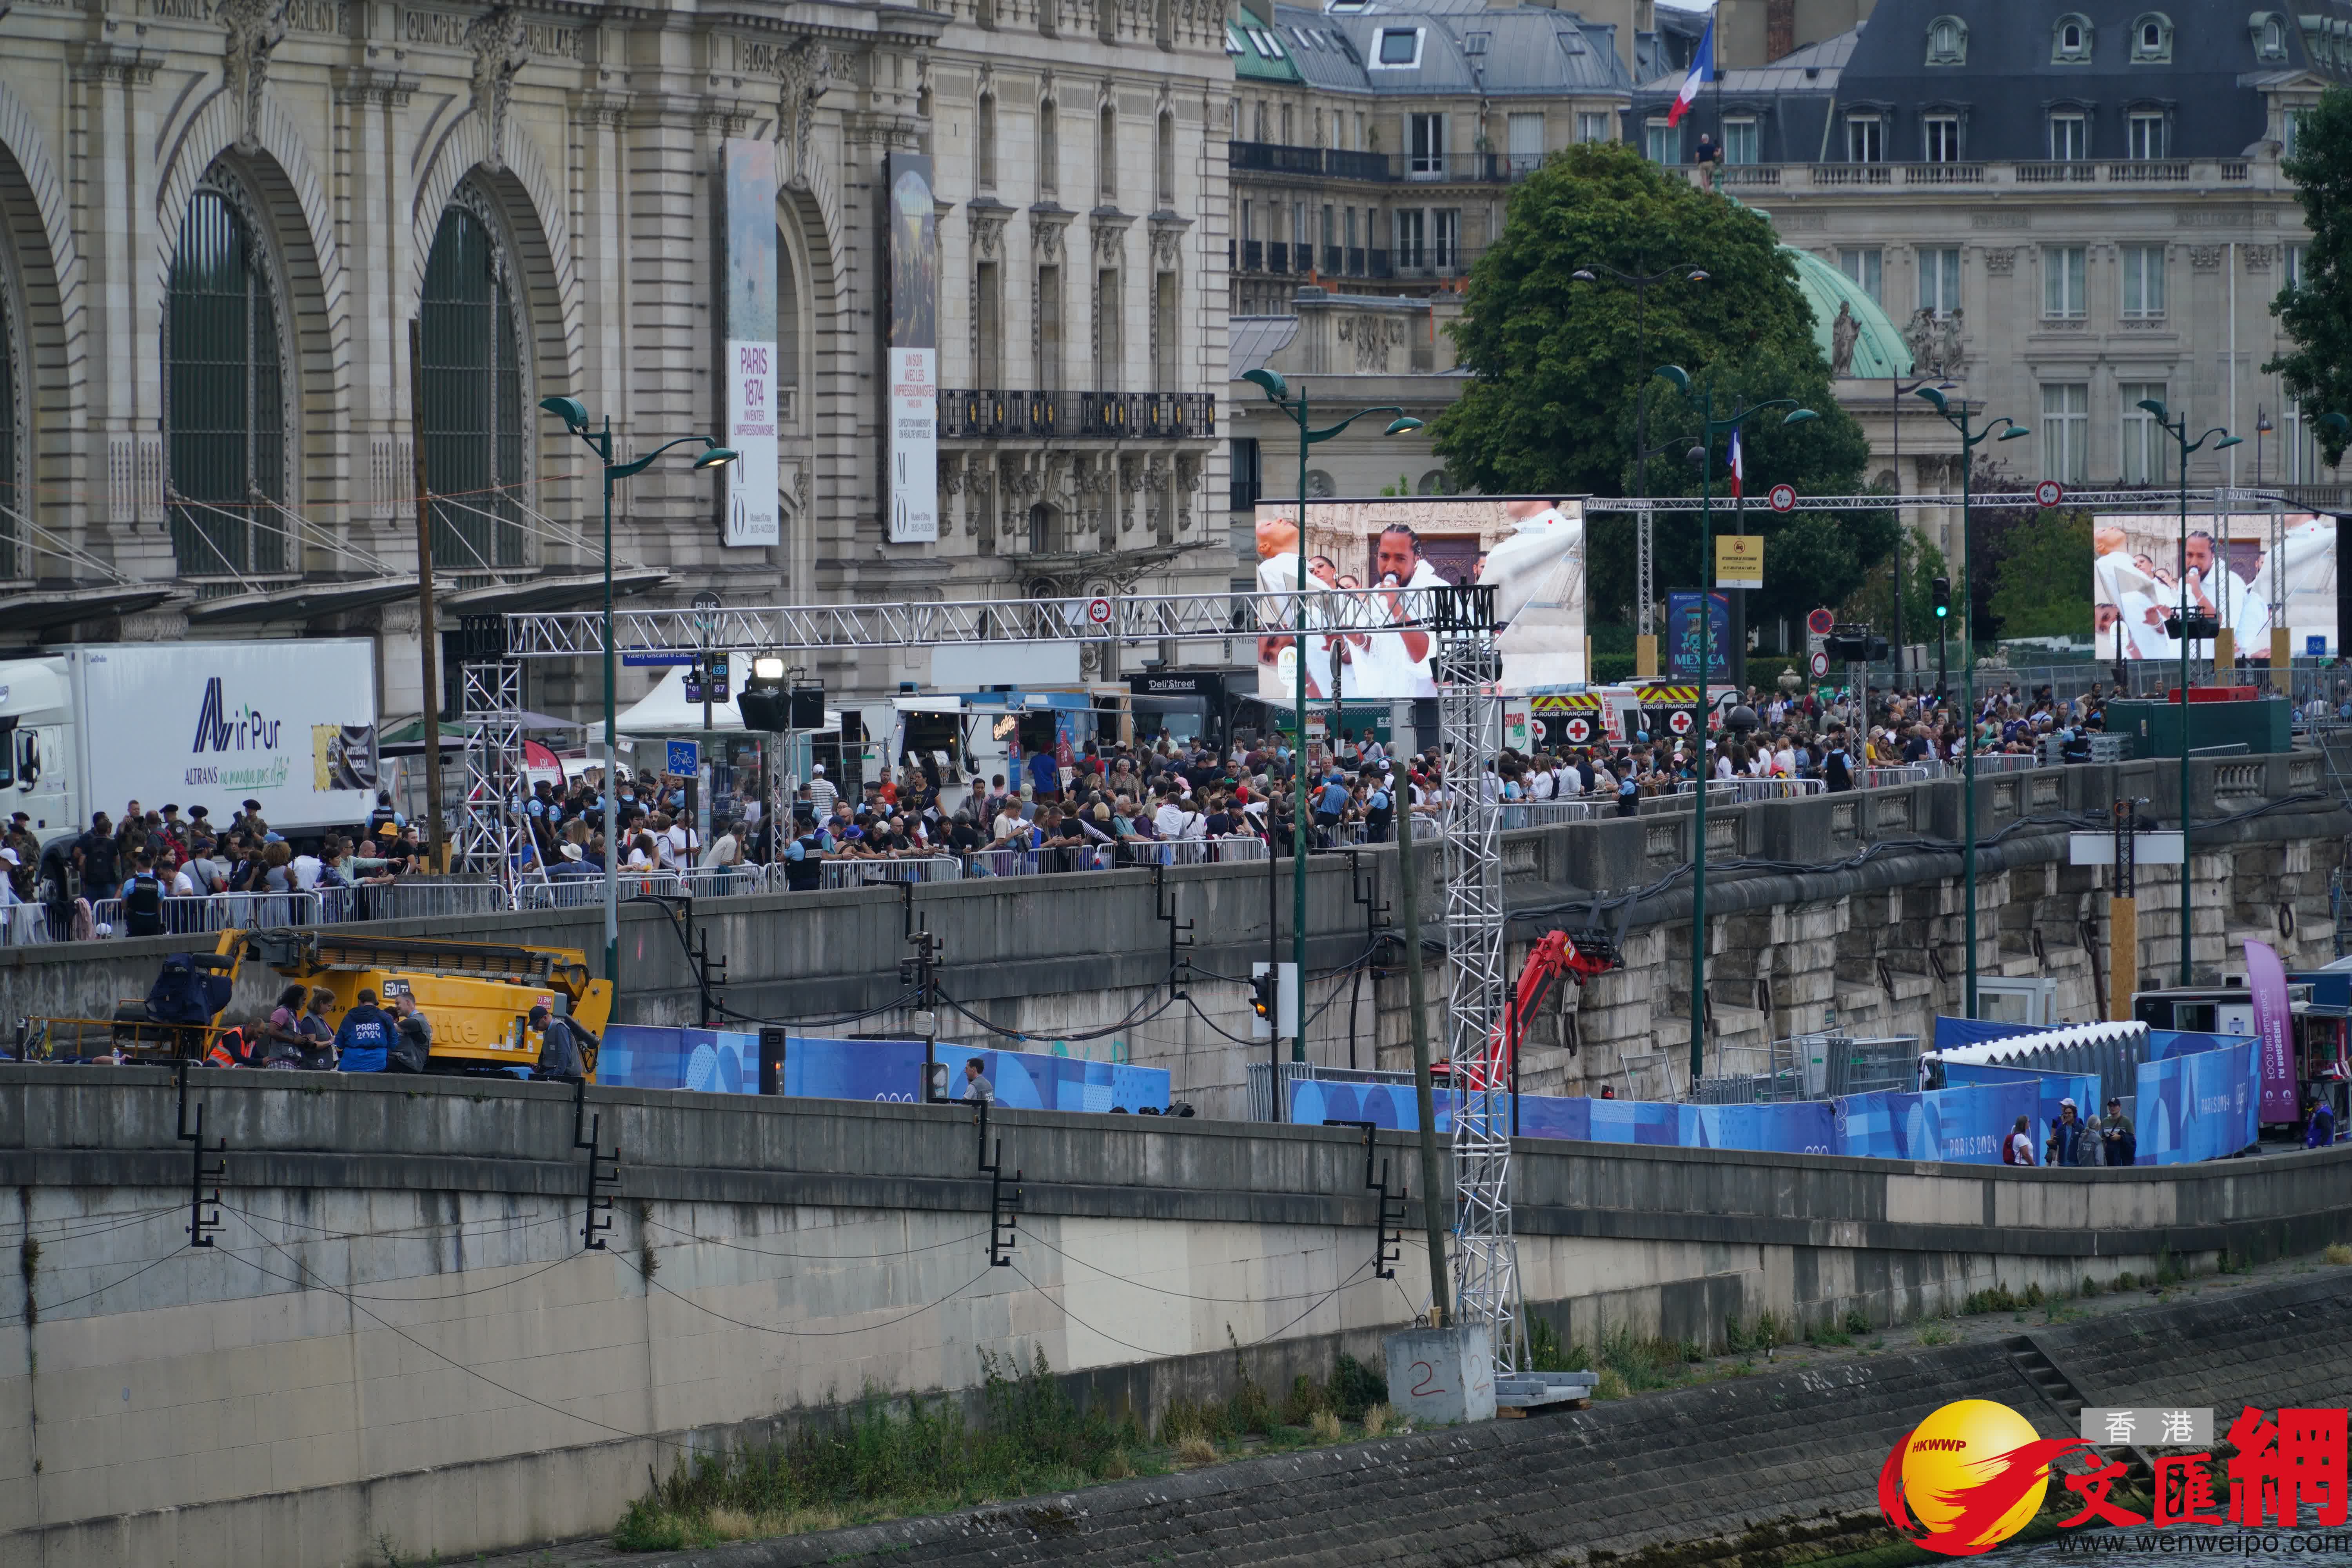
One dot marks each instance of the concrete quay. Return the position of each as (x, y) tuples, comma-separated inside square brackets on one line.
[(398, 1330)]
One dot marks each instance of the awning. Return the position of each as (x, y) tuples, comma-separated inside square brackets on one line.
[(50, 605), (2018, 1046), (305, 601), (552, 592)]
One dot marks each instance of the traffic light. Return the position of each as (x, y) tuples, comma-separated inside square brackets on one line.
[(1262, 995), (1939, 593), (764, 702)]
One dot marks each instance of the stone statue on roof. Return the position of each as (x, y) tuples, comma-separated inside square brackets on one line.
[(1843, 332)]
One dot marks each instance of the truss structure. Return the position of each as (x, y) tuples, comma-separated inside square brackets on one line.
[(2206, 502), (1486, 1259), (488, 835)]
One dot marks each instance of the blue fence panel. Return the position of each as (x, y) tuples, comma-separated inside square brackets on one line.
[(2203, 1106), (2163, 1044), (1953, 1032), (2083, 1088), (726, 1062), (1963, 1126)]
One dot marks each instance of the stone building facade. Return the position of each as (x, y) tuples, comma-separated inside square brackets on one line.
[(219, 217)]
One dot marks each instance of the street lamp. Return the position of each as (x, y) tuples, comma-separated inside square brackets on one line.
[(2008, 429), (574, 415), (1639, 283), (1897, 389), (1709, 428), (2178, 430), (1277, 391)]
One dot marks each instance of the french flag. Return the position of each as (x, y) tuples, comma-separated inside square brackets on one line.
[(1701, 67), (1738, 466)]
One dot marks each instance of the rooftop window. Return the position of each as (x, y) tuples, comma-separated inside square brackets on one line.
[(1947, 41), (1400, 49), (2152, 39), (2070, 40)]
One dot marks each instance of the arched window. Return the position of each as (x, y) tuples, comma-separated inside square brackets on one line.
[(1947, 42), (788, 317), (1166, 160), (1106, 151), (2071, 39), (2270, 35), (224, 388), (476, 417), (985, 143), (2152, 39), (1049, 151)]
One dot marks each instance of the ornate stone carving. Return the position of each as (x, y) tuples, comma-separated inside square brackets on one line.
[(1109, 241), (255, 28), (2206, 258), (2258, 257), (1045, 231), (1844, 333), (987, 231), (1167, 247), (2001, 262), (1935, 343), (501, 48), (806, 66), (1374, 337)]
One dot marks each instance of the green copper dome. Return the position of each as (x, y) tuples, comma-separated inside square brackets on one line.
[(1879, 350)]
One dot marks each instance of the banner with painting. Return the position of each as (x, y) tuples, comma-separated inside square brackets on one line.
[(911, 358), (1369, 564), (748, 188), (2249, 571)]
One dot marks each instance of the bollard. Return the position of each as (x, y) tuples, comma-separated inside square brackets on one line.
[(1442, 1376)]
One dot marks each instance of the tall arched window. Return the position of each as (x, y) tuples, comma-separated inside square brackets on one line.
[(224, 388), (13, 561), (1049, 151), (1167, 161), (788, 317), (476, 417)]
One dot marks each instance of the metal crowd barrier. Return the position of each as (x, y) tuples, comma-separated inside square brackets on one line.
[(205, 913), (874, 873), (588, 891)]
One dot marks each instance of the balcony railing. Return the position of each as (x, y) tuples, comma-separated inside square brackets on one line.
[(989, 415), (1331, 164), (2186, 172)]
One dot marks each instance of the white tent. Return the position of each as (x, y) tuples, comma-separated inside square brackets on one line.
[(2014, 1047)]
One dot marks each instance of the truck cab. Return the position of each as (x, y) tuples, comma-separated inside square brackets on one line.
[(36, 726)]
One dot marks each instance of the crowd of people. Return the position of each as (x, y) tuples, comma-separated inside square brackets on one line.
[(1103, 803)]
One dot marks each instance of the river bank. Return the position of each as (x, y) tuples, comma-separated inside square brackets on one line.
[(1764, 1457)]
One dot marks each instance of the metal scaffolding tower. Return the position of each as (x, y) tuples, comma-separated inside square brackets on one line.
[(489, 839)]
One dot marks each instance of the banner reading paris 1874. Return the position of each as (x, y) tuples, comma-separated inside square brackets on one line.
[(749, 370)]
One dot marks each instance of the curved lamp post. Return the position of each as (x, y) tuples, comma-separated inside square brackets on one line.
[(574, 415), (1277, 391), (1641, 283), (2007, 429), (2178, 430), (1709, 428)]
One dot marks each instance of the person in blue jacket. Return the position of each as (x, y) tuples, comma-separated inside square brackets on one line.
[(2066, 1136), (2319, 1128), (366, 1037)]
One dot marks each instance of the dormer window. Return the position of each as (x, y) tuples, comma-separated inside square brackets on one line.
[(2152, 39), (2269, 29), (1400, 49), (2070, 41), (1474, 43), (1947, 41)]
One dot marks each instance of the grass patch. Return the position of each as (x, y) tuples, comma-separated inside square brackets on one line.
[(2337, 1253), (873, 1462), (1932, 1333)]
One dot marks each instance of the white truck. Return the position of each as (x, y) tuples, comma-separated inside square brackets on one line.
[(91, 727)]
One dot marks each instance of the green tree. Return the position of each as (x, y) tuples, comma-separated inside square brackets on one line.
[(1557, 366), (2317, 312), (2041, 588), (1875, 601)]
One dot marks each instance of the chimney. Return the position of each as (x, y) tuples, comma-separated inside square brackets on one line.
[(1780, 29)]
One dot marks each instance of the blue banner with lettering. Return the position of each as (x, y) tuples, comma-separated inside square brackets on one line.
[(2202, 1106), (1801, 1128), (1963, 1126), (726, 1061), (1682, 628)]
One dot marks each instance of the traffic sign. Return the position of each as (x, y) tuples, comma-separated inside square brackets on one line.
[(2048, 492), (1099, 612), (684, 757), (1579, 730), (1679, 721), (1783, 498), (1821, 664), (1819, 622)]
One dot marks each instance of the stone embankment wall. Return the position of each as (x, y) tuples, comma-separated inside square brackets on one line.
[(1841, 910), (1750, 1473), (398, 1330)]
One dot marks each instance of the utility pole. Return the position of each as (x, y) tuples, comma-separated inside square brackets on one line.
[(428, 638), (923, 970), (2122, 916), (1416, 1018)]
